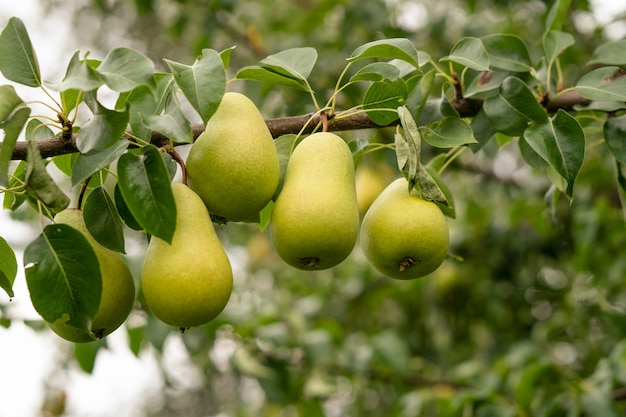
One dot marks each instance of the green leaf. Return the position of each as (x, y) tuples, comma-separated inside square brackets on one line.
[(203, 83), (70, 99), (518, 96), (525, 390), (531, 157), (86, 354), (103, 221), (561, 143), (80, 75), (507, 52), (609, 53), (554, 43), (614, 134), (19, 62), (486, 82), (603, 84), (447, 133), (225, 55), (383, 98), (39, 182), (13, 117), (172, 123), (395, 48), (91, 162), (558, 14), (428, 187), (257, 73), (284, 145), (124, 69), (504, 117), (408, 146), (63, 276), (440, 193), (102, 130), (377, 71), (296, 63), (8, 267), (123, 211), (469, 52), (145, 185), (392, 351), (14, 200)]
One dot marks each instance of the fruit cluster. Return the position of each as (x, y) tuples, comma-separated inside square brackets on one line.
[(233, 172)]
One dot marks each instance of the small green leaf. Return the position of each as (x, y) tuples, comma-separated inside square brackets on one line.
[(428, 187), (296, 63), (14, 200), (39, 182), (63, 276), (103, 221), (383, 98), (80, 76), (609, 53), (124, 69), (603, 84), (377, 71), (19, 62), (507, 52), (554, 43), (441, 194), (86, 354), (203, 83), (408, 146), (225, 55), (561, 143), (395, 48), (8, 267), (257, 73), (172, 123), (518, 96), (91, 162), (13, 117), (284, 145), (145, 185), (102, 130), (447, 133), (469, 52), (614, 135)]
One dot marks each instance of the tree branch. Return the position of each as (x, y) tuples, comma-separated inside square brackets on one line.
[(295, 124)]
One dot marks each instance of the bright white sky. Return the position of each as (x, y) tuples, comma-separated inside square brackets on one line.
[(121, 382)]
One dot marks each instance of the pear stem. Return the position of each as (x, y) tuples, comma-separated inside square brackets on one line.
[(324, 117), (81, 194), (176, 157)]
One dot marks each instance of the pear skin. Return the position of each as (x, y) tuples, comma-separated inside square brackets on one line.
[(402, 235), (118, 287), (187, 283), (233, 165), (315, 220)]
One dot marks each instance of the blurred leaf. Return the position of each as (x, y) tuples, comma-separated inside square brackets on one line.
[(603, 84), (507, 52), (8, 267), (202, 83), (103, 221), (63, 276), (86, 354), (614, 134), (145, 185), (14, 200), (447, 133), (93, 161), (528, 383), (598, 403), (124, 69), (609, 53), (398, 48), (554, 43), (561, 143), (392, 351), (558, 14), (382, 98), (469, 52), (13, 117), (39, 182), (19, 62)]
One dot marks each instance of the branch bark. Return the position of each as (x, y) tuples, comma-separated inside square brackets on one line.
[(294, 124)]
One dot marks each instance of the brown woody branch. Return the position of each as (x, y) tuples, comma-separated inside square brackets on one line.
[(296, 124)]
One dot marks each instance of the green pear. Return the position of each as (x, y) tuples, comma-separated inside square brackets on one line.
[(233, 165), (118, 287), (402, 235), (187, 283), (315, 220)]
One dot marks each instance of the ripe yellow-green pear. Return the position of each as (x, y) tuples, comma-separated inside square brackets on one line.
[(233, 165), (402, 235), (118, 287), (315, 220), (187, 283)]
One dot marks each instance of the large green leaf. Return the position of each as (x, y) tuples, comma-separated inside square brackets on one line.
[(518, 96), (103, 221), (469, 52), (124, 69), (103, 129), (382, 99), (603, 84), (13, 116), (395, 48), (80, 75), (561, 143), (507, 52), (40, 184), (408, 144), (19, 61), (447, 133), (554, 43), (8, 267), (296, 63), (123, 210), (504, 117), (203, 83), (614, 135), (609, 53), (144, 183), (91, 162), (63, 276)]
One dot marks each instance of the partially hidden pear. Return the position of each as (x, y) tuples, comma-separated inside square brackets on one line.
[(187, 283), (315, 220), (233, 165), (118, 287), (402, 235)]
